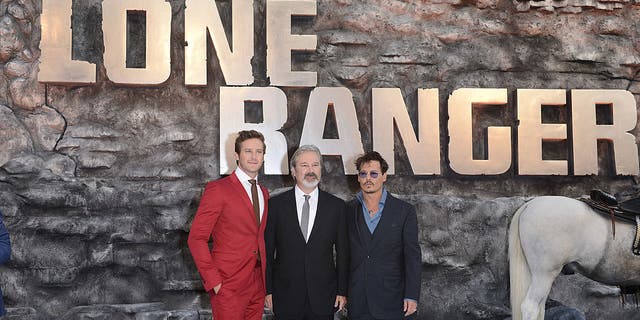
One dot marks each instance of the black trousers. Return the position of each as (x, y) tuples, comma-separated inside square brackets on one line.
[(307, 314), (370, 317)]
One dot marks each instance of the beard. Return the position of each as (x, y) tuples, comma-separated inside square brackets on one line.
[(310, 184)]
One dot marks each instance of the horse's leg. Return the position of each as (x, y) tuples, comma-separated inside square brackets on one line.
[(550, 237), (534, 301)]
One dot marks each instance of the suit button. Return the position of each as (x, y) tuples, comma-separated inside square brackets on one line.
[(255, 251), (367, 257)]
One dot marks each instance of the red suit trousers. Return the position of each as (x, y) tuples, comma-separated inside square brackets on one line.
[(246, 303)]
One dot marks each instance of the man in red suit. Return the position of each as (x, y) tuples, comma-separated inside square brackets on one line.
[(234, 214)]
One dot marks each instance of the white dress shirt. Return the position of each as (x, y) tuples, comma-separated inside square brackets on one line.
[(313, 207), (244, 180)]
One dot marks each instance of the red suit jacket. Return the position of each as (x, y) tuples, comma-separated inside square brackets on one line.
[(226, 215)]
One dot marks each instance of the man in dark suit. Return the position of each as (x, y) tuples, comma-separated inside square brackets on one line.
[(233, 213), (306, 225), (384, 278), (5, 254)]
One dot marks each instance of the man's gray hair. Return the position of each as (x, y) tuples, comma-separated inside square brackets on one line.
[(302, 149)]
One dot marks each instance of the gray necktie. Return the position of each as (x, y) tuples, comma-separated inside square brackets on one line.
[(304, 220)]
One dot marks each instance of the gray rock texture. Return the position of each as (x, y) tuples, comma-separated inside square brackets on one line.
[(99, 183)]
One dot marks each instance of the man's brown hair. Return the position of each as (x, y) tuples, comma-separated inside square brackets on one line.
[(372, 156), (249, 134)]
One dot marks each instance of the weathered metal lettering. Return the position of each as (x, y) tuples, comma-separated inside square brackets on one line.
[(388, 108), (349, 142), (274, 104), (461, 159), (158, 26), (235, 59), (532, 132), (280, 42), (586, 132), (56, 65)]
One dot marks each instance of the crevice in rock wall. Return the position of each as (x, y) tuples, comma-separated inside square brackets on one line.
[(633, 79), (64, 128)]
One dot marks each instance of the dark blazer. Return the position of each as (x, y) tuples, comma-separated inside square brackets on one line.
[(5, 254), (296, 268), (385, 268)]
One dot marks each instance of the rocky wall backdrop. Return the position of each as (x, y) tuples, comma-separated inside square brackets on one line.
[(99, 183)]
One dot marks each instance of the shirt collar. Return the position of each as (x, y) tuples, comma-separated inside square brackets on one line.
[(300, 193), (243, 177), (383, 199)]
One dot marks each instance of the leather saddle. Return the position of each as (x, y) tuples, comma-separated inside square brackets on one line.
[(627, 211)]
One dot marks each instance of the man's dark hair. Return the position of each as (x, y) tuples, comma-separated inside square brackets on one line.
[(249, 134), (372, 156)]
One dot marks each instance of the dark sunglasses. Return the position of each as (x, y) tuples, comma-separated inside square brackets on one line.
[(372, 174)]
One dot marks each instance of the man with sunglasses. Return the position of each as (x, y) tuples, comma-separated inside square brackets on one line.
[(305, 280), (5, 254), (385, 258)]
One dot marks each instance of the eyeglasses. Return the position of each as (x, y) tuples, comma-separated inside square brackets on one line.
[(372, 174)]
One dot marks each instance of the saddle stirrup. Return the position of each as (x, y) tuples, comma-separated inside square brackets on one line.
[(636, 241), (613, 222)]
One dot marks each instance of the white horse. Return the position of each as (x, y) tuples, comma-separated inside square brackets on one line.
[(547, 233)]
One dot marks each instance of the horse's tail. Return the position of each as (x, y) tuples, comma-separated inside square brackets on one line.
[(519, 273)]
